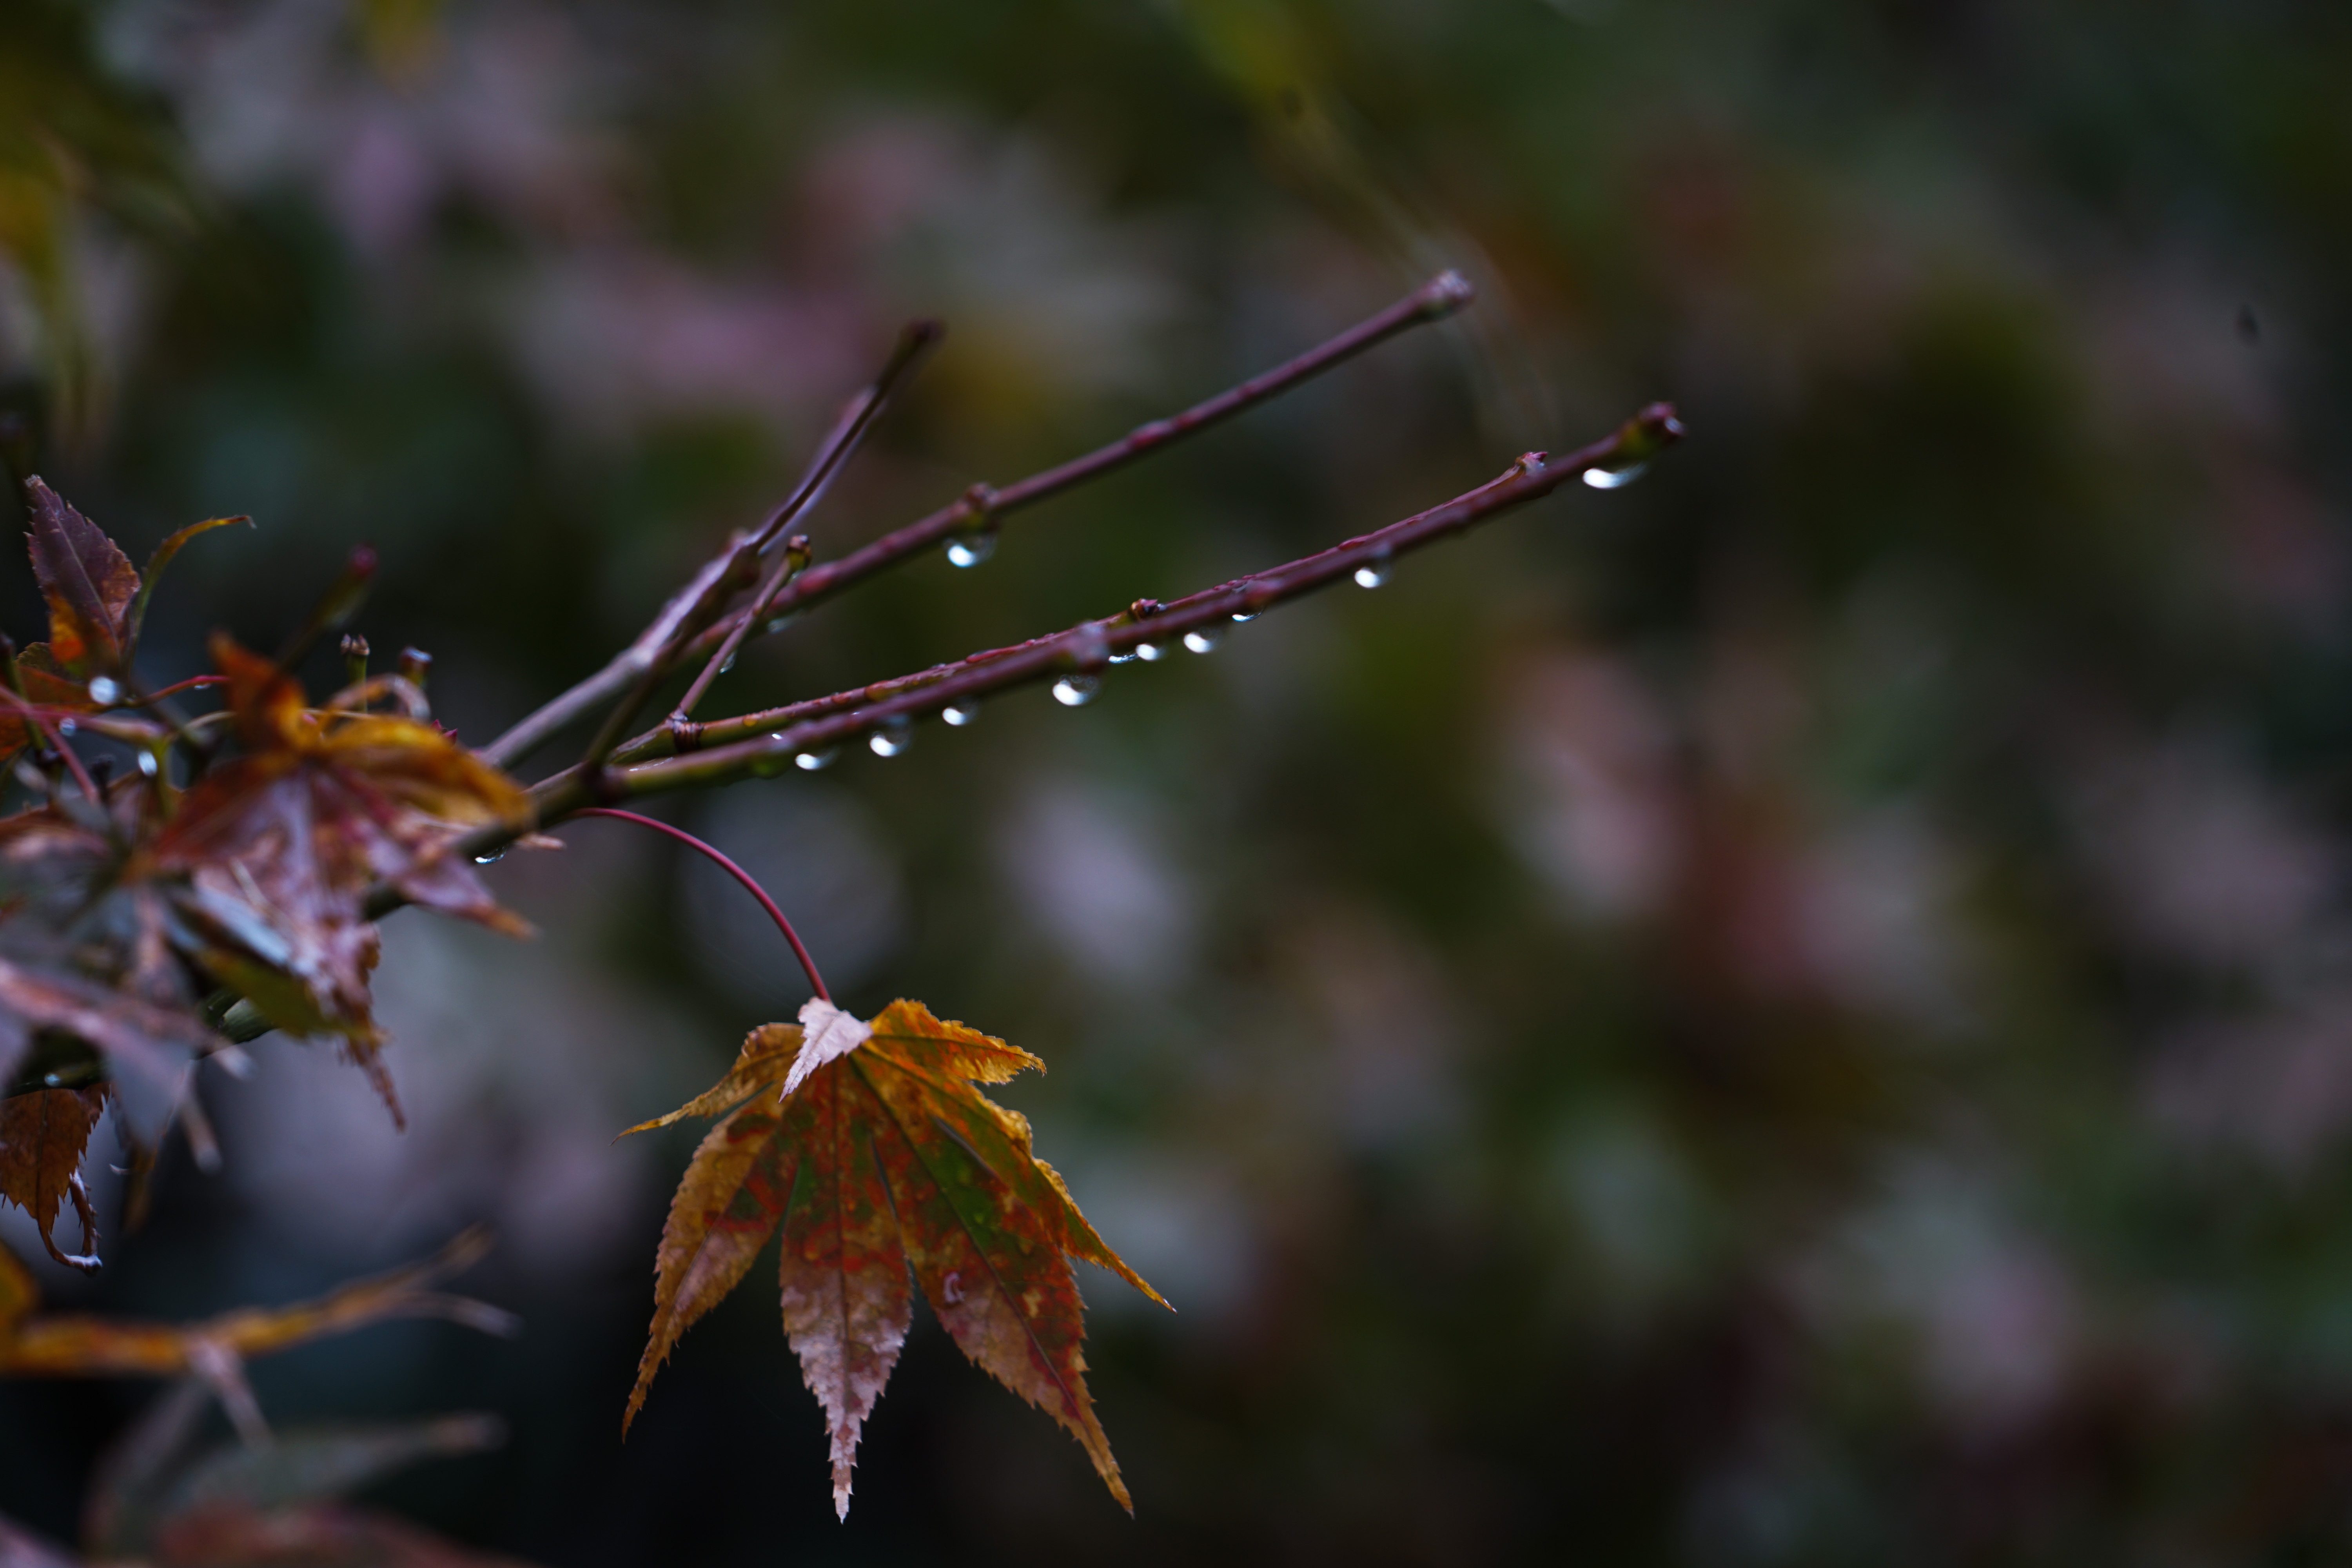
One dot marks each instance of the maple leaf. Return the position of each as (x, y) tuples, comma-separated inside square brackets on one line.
[(43, 1136), (96, 603), (91, 955), (153, 1043), (877, 1155), (88, 583), (281, 844)]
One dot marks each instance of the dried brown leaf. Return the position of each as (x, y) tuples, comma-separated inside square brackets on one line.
[(43, 1137)]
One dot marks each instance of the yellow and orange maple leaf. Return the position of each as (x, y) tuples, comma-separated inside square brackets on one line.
[(282, 844), (874, 1154)]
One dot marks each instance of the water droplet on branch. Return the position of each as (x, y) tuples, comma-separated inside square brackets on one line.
[(1614, 479), (891, 739), (1373, 573), (492, 859), (810, 761), (1076, 690), (1244, 618), (960, 713), (968, 549), (1205, 639), (103, 691)]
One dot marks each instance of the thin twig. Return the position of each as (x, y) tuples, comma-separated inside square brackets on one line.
[(834, 451), (772, 740), (193, 683), (981, 507), (868, 408), (808, 964), (37, 716)]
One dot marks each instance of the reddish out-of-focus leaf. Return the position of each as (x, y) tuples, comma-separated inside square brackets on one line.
[(22, 1548), (88, 581), (46, 685), (875, 1155), (323, 1536), (43, 1136), (149, 1045), (282, 844)]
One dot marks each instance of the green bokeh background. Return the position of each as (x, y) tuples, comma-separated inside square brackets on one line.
[(1800, 1011)]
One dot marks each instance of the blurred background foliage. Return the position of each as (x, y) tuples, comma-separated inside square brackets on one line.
[(1801, 1012)]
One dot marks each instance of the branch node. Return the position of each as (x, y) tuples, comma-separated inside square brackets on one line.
[(355, 659), (1444, 294), (605, 786), (416, 667)]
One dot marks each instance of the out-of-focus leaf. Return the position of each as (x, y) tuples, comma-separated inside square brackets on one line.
[(74, 1345), (46, 684), (19, 1549), (322, 1537), (43, 1136), (88, 583), (126, 1491), (282, 844), (321, 1463), (877, 1156), (72, 137), (157, 1499), (18, 1294), (151, 1045)]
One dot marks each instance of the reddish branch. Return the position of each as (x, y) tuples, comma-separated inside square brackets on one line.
[(776, 737), (650, 662), (979, 508)]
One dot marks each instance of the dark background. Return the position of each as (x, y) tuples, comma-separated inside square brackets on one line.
[(1799, 1011)]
